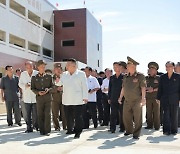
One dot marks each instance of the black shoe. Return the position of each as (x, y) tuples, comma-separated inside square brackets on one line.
[(156, 128), (19, 124), (77, 135), (70, 132), (57, 129), (126, 134), (47, 134), (10, 124), (136, 137), (111, 131), (95, 125), (166, 133), (28, 131), (174, 133), (41, 133), (148, 127), (121, 130)]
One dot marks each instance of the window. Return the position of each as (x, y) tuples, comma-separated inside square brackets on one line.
[(47, 26), (68, 43), (17, 7), (98, 46), (33, 47), (98, 63), (33, 17), (2, 36), (17, 41), (3, 2), (68, 24), (47, 52)]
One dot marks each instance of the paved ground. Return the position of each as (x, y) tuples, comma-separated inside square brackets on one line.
[(14, 140)]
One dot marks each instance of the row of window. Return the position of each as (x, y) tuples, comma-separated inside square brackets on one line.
[(20, 42), (22, 10)]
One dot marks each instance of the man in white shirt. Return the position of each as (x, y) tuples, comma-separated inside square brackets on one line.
[(29, 98), (93, 87), (75, 95), (106, 105)]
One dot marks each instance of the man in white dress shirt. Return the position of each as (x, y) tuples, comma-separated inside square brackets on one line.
[(75, 95), (93, 87), (29, 98), (106, 105)]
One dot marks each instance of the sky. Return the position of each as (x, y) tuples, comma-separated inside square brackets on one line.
[(146, 30)]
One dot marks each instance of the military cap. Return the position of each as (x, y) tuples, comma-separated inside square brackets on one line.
[(40, 62), (122, 63), (57, 65), (131, 61), (153, 65)]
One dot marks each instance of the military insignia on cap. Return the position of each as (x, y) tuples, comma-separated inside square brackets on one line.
[(131, 61), (153, 65)]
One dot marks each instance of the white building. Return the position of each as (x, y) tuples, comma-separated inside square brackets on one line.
[(26, 31)]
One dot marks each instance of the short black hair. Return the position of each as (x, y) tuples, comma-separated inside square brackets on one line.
[(89, 68), (108, 69), (72, 60), (101, 72), (116, 63), (18, 70), (8, 66), (178, 64), (82, 69), (170, 62)]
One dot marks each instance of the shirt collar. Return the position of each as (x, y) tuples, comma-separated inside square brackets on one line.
[(135, 74), (41, 75)]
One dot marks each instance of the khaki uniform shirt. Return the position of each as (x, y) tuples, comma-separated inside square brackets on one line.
[(132, 86), (152, 82)]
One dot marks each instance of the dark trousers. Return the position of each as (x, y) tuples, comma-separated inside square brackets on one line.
[(44, 115), (32, 119), (170, 119), (179, 117), (100, 108), (90, 111), (58, 108), (116, 111), (74, 118), (23, 110), (106, 106), (13, 106)]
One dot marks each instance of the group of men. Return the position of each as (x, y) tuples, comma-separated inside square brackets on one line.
[(77, 96)]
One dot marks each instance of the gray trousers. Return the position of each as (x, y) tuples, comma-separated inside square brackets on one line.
[(13, 106)]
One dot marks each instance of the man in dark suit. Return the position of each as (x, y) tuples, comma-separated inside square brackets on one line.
[(169, 97)]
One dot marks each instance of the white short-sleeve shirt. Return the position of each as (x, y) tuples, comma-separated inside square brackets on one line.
[(92, 84)]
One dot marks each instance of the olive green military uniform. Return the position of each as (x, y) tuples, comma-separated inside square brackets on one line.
[(132, 110), (152, 107), (57, 107), (40, 83)]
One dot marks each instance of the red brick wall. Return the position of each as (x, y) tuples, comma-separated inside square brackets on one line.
[(78, 33)]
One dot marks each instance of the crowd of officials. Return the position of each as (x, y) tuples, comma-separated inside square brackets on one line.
[(76, 97)]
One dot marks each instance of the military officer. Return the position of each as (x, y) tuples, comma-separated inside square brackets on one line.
[(152, 107), (134, 91), (169, 97), (57, 106), (42, 85)]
